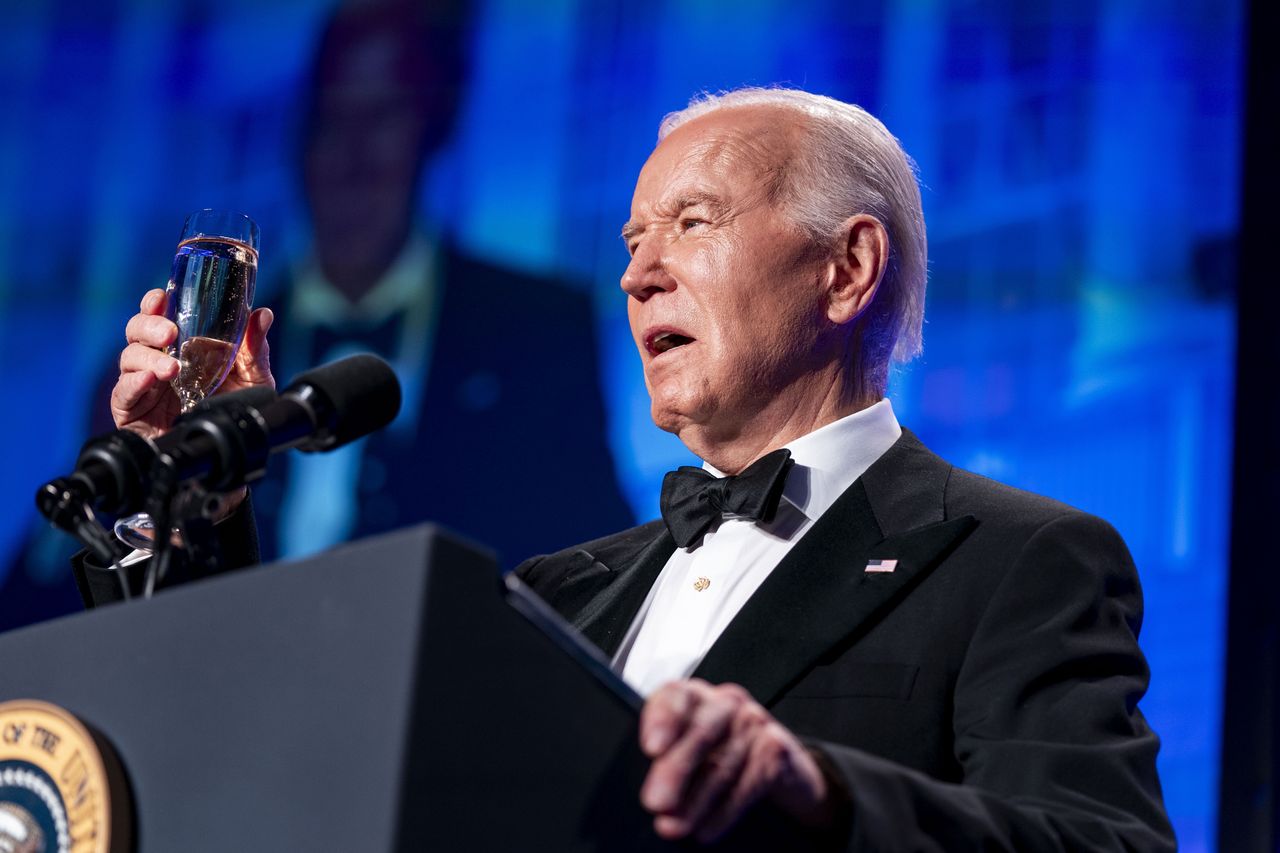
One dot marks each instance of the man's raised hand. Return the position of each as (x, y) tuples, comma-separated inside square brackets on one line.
[(143, 400)]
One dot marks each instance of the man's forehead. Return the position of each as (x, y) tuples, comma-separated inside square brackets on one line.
[(759, 127), (725, 152)]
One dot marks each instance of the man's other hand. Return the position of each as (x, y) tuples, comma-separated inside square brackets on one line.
[(716, 752), (143, 400)]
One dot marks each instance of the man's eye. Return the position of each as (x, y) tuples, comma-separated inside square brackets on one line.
[(688, 222)]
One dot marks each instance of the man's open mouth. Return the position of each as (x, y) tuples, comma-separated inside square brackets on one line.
[(661, 341)]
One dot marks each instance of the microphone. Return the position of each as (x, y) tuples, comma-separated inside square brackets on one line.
[(224, 442), (334, 404), (111, 472)]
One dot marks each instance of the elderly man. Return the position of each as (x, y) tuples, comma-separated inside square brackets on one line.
[(907, 654), (830, 619)]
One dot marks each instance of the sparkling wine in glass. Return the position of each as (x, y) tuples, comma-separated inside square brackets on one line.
[(209, 297)]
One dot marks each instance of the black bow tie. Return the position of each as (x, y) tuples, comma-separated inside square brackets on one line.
[(693, 500), (382, 337)]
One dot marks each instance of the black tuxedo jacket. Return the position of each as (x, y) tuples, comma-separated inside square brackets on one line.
[(983, 695)]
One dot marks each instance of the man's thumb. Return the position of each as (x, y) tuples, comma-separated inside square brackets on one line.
[(256, 355)]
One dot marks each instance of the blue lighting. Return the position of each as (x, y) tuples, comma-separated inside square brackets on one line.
[(1080, 169)]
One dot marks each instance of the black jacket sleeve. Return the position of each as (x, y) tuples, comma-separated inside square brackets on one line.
[(237, 542), (1055, 754)]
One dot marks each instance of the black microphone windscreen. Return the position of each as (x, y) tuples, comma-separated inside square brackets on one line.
[(362, 393)]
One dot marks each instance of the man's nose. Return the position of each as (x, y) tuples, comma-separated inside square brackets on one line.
[(647, 273)]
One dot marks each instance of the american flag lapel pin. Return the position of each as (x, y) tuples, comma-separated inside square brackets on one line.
[(881, 565)]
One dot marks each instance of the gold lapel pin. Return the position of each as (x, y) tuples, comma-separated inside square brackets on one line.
[(701, 583)]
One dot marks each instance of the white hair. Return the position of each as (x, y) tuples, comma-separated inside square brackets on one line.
[(850, 163)]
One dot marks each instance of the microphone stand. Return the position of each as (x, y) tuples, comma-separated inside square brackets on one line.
[(187, 508), (160, 508)]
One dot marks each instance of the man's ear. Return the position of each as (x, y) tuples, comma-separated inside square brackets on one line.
[(861, 256)]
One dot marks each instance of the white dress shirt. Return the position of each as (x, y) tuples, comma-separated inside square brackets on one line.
[(703, 587), (318, 507)]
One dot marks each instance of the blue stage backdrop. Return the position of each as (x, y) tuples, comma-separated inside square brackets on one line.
[(1080, 168)]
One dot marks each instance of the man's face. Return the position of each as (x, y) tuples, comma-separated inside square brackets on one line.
[(725, 293), (363, 156)]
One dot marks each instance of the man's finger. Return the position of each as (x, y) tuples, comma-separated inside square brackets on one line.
[(136, 357), (714, 780), (779, 769), (152, 302), (130, 388), (665, 715), (253, 361), (760, 769), (667, 784), (134, 395), (151, 330)]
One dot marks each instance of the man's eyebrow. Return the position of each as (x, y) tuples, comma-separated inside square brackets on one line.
[(633, 229), (693, 199)]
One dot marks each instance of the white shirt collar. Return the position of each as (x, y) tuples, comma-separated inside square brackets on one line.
[(406, 285), (830, 458)]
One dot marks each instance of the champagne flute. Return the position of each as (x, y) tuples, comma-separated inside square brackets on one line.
[(209, 297)]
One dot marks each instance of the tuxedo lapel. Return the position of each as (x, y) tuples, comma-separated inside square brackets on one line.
[(614, 591), (821, 594)]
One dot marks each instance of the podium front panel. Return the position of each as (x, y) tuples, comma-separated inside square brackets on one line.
[(381, 696)]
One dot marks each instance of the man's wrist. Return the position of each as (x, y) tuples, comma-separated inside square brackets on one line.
[(830, 822), (229, 503)]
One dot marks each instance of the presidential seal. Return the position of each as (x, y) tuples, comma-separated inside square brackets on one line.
[(61, 789)]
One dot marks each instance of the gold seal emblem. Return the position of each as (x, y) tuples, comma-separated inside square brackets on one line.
[(56, 784), (701, 583)]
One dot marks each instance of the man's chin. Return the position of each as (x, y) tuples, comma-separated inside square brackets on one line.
[(670, 416), (668, 421)]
